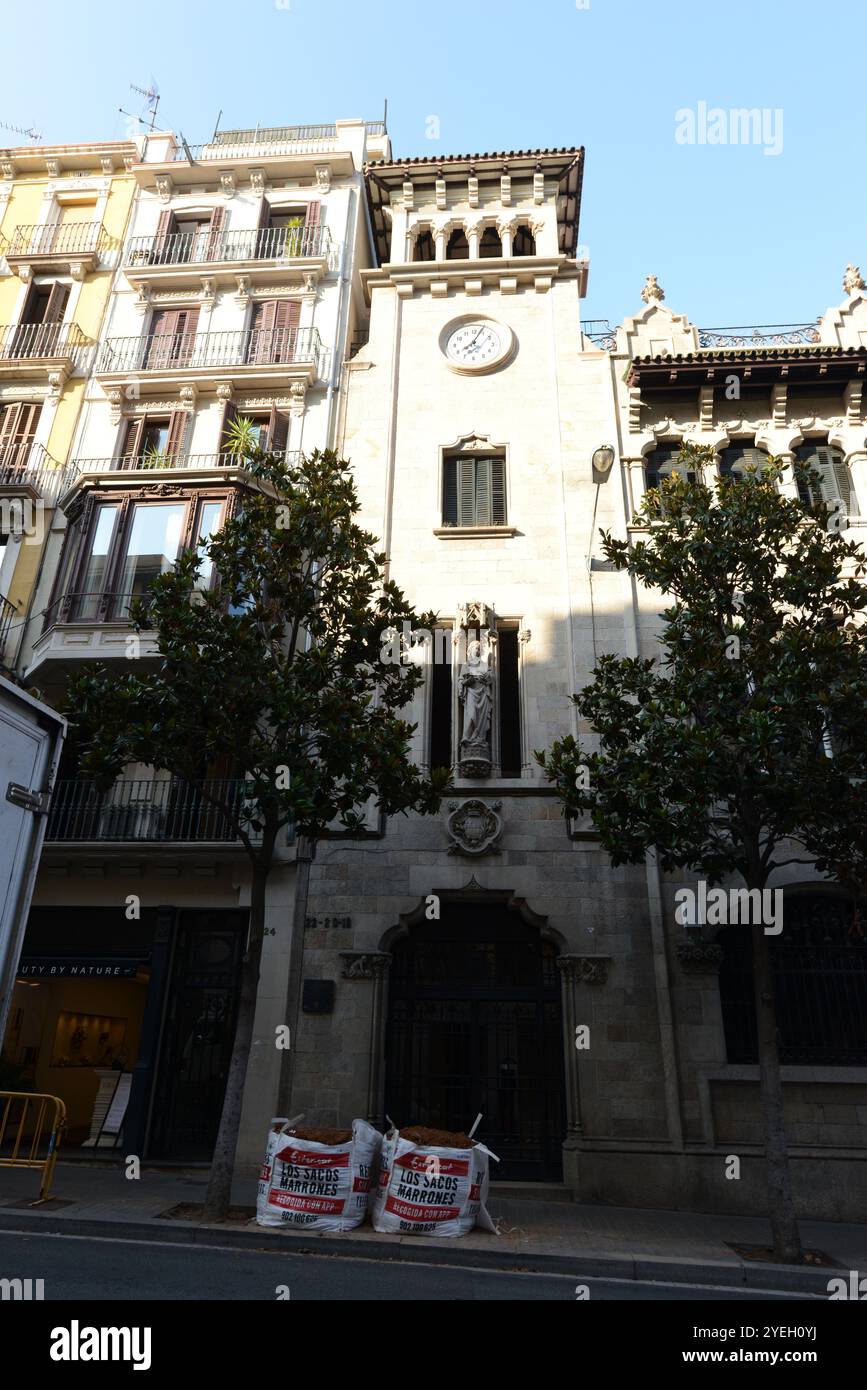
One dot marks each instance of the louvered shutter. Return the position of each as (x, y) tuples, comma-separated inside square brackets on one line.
[(262, 330), (483, 492), (450, 492), (278, 431), (131, 447), (214, 244), (165, 226), (185, 335), (310, 235), (498, 492), (466, 491), (164, 326), (57, 302), (177, 434)]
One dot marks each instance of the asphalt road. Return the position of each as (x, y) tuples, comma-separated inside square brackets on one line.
[(81, 1268)]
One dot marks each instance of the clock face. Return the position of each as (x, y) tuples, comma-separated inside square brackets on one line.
[(478, 343)]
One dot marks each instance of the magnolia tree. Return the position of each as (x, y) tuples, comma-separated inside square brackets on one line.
[(274, 669), (740, 747)]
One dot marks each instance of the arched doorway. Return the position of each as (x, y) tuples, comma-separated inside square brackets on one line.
[(475, 1024)]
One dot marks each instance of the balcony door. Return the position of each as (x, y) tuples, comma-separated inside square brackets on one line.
[(18, 423), (274, 330), (172, 338), (42, 321)]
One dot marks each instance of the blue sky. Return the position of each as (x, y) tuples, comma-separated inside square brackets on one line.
[(736, 236)]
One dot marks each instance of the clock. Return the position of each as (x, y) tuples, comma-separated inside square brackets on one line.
[(476, 344)]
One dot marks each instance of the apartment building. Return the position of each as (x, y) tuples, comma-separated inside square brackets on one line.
[(235, 295)]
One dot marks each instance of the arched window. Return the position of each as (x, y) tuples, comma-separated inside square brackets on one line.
[(736, 461), (820, 974), (523, 242), (424, 249), (458, 248), (663, 463), (833, 485), (490, 244)]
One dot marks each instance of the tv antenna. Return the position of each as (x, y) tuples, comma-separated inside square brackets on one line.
[(152, 98), (31, 133)]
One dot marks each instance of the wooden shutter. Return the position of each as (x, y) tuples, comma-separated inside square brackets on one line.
[(262, 330), (278, 431), (483, 492), (498, 492), (466, 491), (165, 227), (834, 483), (214, 244), (177, 434), (450, 492), (310, 234), (230, 414), (131, 447), (187, 323), (265, 213)]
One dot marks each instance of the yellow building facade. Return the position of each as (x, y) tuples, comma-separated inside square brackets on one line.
[(64, 211)]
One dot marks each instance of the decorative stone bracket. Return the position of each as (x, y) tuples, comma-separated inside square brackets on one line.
[(584, 970), (364, 965), (699, 957)]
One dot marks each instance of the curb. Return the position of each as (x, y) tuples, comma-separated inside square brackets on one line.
[(725, 1274)]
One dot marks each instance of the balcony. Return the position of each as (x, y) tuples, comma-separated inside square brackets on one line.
[(63, 248), (150, 811), (181, 462), (27, 470), (246, 357), (36, 351), (176, 259)]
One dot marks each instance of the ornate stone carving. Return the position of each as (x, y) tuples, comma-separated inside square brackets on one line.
[(243, 293), (408, 195), (55, 385), (474, 826), (78, 271), (505, 189), (7, 168), (106, 163), (115, 398), (653, 291), (228, 186), (209, 292), (473, 190), (258, 182), (440, 189), (224, 392), (323, 178), (188, 395), (143, 299), (360, 965), (475, 691), (584, 970), (852, 280), (298, 397), (699, 957), (524, 636), (165, 187), (53, 167)]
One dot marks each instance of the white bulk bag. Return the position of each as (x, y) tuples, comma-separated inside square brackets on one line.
[(321, 1187), (431, 1191)]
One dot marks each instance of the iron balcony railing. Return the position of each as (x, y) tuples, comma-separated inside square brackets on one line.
[(30, 466), (234, 348), (7, 614), (23, 341), (207, 248), (759, 335), (129, 462), (150, 811), (58, 239), (600, 333), (307, 140)]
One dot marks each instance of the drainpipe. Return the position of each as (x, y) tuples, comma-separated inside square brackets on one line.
[(342, 319)]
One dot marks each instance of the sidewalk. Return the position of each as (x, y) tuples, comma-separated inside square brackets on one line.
[(555, 1237)]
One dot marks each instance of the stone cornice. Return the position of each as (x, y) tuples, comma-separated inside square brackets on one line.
[(442, 277)]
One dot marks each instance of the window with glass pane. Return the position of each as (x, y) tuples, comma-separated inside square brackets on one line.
[(93, 582), (209, 525), (151, 549)]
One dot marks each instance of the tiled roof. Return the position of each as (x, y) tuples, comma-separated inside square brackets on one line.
[(469, 158)]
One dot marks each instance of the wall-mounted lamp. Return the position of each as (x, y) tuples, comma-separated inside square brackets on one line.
[(603, 459)]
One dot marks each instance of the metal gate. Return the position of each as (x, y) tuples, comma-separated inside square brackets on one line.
[(199, 1033), (475, 1025)]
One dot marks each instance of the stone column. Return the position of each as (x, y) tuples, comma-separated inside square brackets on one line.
[(635, 467), (856, 462), (575, 970), (473, 233), (788, 486)]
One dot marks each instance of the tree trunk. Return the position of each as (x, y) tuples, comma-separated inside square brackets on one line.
[(219, 1191), (781, 1202)]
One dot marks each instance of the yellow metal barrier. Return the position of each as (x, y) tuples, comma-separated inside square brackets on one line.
[(31, 1134)]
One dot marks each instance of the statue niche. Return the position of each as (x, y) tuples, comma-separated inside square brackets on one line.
[(476, 697)]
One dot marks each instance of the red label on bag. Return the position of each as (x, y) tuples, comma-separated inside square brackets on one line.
[(409, 1212), (433, 1165), (299, 1158), (476, 1192), (265, 1174), (361, 1185), (325, 1206)]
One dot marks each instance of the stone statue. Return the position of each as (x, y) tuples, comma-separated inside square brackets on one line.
[(653, 291), (853, 280), (475, 691)]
